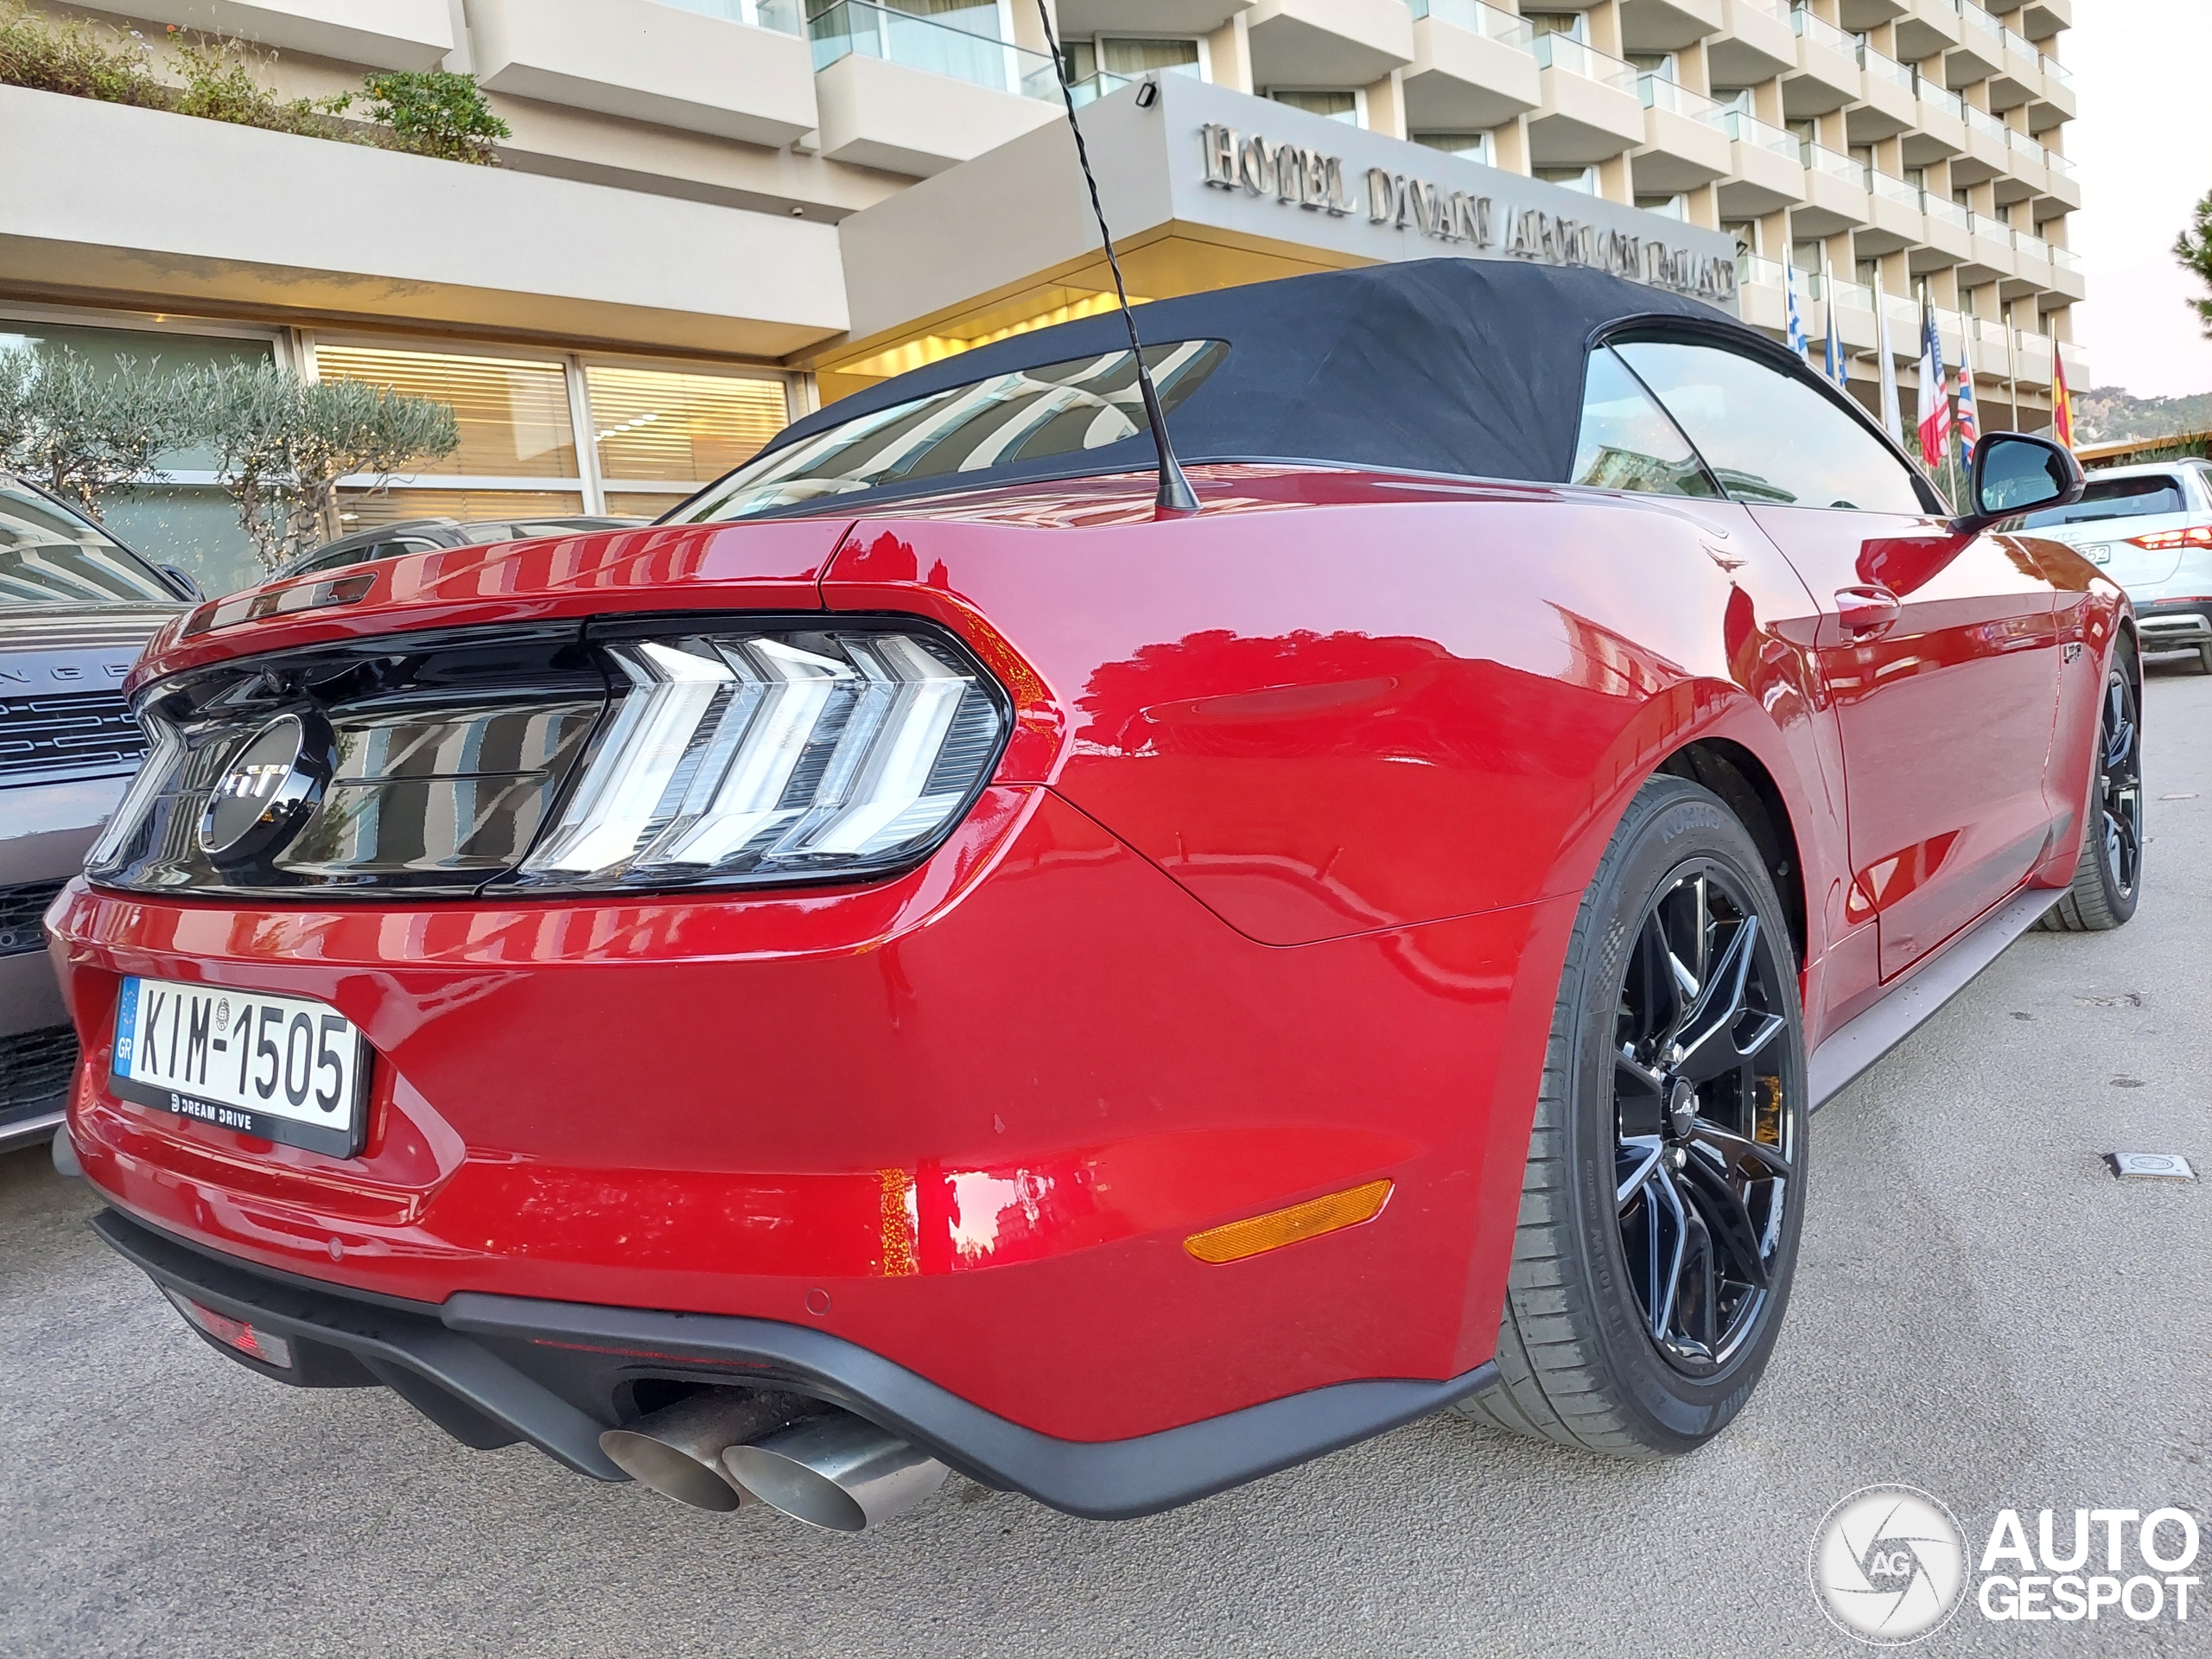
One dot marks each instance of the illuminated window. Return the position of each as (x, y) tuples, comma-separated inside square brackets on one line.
[(513, 413), (657, 425)]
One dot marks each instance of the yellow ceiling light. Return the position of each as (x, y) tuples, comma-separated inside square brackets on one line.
[(932, 348), (1279, 1227)]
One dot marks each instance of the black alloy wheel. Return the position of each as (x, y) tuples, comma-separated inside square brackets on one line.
[(1665, 1185), (2109, 878), (1702, 1146)]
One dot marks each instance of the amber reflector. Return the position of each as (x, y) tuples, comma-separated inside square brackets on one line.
[(1279, 1227)]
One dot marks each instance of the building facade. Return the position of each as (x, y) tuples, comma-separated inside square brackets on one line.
[(714, 214)]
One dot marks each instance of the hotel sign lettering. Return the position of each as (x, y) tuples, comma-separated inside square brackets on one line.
[(1318, 182)]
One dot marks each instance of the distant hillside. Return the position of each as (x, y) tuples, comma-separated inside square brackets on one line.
[(2109, 415)]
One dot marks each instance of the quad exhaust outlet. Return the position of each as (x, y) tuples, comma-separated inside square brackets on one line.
[(724, 1448)]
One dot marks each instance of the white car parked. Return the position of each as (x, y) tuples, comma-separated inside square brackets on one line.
[(2150, 528)]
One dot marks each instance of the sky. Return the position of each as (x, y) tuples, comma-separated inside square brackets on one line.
[(2143, 73)]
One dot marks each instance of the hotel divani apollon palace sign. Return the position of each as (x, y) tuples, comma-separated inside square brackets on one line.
[(1316, 181)]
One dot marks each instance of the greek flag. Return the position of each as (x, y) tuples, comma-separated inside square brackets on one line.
[(1797, 341)]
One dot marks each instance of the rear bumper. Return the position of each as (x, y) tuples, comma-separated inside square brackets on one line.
[(2175, 624), (495, 1370)]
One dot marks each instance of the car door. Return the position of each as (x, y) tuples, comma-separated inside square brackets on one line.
[(1938, 652)]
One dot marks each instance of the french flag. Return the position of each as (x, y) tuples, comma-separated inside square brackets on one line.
[(1935, 414)]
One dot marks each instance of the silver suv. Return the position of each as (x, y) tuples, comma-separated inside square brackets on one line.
[(76, 607), (2150, 529)]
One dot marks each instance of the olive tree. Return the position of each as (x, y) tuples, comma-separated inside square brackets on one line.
[(82, 429), (283, 444)]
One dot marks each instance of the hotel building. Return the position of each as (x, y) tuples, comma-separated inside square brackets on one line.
[(715, 214)]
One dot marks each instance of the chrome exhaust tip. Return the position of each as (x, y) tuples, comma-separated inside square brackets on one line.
[(677, 1450), (838, 1472)]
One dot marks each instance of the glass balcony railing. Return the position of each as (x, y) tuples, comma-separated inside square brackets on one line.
[(1557, 51), (1983, 122), (2056, 73), (1103, 83), (1777, 10), (851, 28), (2065, 259), (782, 15), (2058, 164), (1853, 296), (1659, 93), (1821, 32), (1883, 67), (1941, 97), (2032, 246), (1480, 19), (1980, 23), (1750, 130), (1943, 211), (2017, 47), (1986, 229), (1760, 272), (1833, 163), (1895, 190)]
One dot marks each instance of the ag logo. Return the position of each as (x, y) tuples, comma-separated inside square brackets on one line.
[(268, 790), (1888, 1564)]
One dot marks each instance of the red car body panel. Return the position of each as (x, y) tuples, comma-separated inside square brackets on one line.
[(1268, 897)]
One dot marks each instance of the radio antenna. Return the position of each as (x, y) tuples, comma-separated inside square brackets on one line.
[(1175, 493)]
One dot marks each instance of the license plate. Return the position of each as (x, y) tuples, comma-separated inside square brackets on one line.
[(2099, 552), (283, 1068)]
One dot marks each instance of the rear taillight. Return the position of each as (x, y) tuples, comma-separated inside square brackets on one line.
[(265, 1346), (2164, 541), (735, 756)]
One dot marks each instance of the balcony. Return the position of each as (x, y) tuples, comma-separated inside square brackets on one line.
[(1894, 219), (2057, 102), (1943, 232), (1474, 66), (1835, 194), (2066, 274), (2018, 77), (1891, 105), (1755, 43), (1828, 75), (2044, 18), (384, 33), (1928, 27), (1980, 51), (911, 95), (667, 64), (2062, 184), (1989, 257), (1766, 172), (1667, 25), (2032, 255), (132, 220), (1588, 109), (1328, 43), (1987, 155), (1685, 136), (1939, 125), (2026, 162), (1762, 299)]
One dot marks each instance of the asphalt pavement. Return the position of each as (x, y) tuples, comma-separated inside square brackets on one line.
[(1981, 1311)]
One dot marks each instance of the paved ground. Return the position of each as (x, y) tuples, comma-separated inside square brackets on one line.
[(1981, 1311)]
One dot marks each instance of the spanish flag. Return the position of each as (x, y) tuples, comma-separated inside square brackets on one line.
[(2062, 404)]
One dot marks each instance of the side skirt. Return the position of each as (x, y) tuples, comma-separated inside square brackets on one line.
[(1857, 1043)]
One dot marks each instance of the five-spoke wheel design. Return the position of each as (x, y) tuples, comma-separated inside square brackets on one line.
[(2120, 781), (1704, 1155)]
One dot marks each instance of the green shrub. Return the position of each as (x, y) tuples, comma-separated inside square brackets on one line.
[(73, 59), (431, 112), (219, 85)]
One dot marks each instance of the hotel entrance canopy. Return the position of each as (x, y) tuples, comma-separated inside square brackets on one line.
[(1206, 189)]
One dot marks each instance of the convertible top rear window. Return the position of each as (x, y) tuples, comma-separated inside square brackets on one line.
[(1022, 415)]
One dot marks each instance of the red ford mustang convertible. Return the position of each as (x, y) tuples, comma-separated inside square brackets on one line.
[(923, 961)]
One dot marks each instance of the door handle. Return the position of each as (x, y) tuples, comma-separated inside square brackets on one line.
[(1866, 611)]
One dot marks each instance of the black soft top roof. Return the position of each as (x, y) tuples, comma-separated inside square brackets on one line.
[(1445, 365)]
